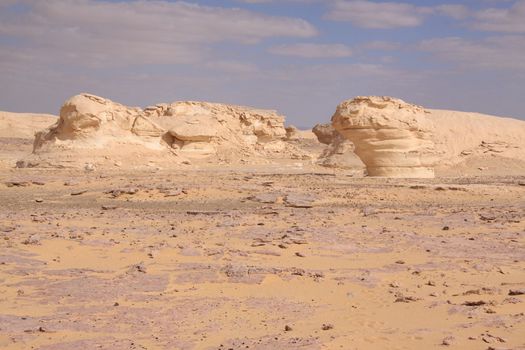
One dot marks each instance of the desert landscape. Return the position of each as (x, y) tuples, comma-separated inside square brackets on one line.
[(262, 175), (192, 225)]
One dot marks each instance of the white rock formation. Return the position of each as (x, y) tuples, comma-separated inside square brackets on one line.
[(340, 151), (397, 139), (391, 137), (189, 130)]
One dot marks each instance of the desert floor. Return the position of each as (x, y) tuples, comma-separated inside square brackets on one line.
[(259, 258)]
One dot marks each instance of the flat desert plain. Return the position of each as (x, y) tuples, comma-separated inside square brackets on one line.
[(259, 258)]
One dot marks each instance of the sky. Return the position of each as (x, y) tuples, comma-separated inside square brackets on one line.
[(299, 57)]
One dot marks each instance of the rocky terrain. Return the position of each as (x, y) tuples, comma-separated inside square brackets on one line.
[(259, 258), (195, 225)]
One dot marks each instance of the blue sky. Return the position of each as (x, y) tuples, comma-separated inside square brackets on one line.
[(301, 57)]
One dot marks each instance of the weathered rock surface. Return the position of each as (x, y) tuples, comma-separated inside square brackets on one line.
[(397, 139), (178, 131), (325, 133), (340, 151), (391, 137)]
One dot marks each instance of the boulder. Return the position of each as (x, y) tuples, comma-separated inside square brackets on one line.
[(340, 151), (325, 133)]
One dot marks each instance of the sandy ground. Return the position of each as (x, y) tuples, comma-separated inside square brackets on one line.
[(259, 258)]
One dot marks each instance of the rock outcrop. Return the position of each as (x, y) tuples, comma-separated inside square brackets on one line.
[(196, 131), (392, 138), (340, 152), (397, 139), (326, 133)]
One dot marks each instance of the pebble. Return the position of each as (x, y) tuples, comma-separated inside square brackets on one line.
[(109, 207), (32, 240), (517, 292), (78, 193), (448, 341), (327, 326)]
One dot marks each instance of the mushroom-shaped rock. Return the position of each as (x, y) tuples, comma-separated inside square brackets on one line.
[(392, 138)]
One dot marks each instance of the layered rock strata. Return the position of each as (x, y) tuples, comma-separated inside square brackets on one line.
[(391, 137), (188, 130)]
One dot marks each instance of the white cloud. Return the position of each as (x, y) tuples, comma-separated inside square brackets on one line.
[(137, 32), (507, 20), (232, 67), (386, 15), (309, 50), (502, 52), (454, 11), (383, 15), (382, 45)]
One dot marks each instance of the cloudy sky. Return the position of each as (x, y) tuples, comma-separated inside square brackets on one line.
[(301, 57)]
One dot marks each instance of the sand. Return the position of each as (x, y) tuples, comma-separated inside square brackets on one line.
[(282, 256), (216, 259)]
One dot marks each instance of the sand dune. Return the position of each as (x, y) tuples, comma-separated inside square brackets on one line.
[(24, 125)]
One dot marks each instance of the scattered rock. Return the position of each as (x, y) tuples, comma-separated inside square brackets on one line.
[(299, 201), (140, 267), (475, 303), (267, 198), (18, 183), (517, 292), (78, 193), (511, 300), (89, 167), (327, 326), (487, 217), (447, 341), (405, 299), (115, 193), (109, 207), (174, 193), (32, 240), (6, 229)]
